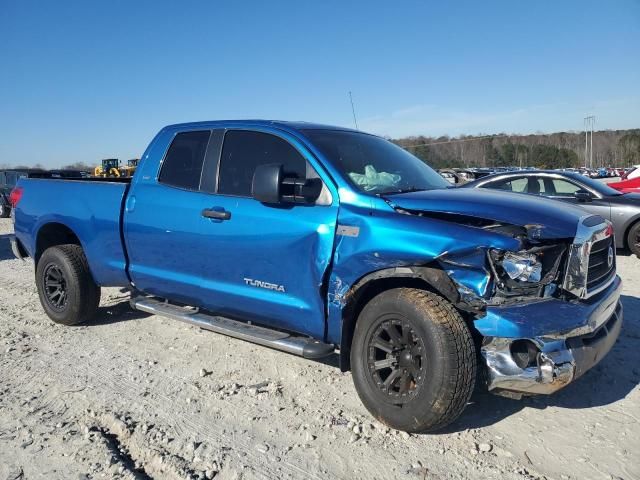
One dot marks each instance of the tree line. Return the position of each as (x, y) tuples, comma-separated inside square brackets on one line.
[(615, 148)]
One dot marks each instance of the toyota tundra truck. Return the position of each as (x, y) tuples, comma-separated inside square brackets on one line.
[(319, 240)]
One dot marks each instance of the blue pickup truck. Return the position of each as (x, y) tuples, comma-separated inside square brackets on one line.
[(314, 240)]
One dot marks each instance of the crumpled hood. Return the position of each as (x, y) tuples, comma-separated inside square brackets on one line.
[(558, 219)]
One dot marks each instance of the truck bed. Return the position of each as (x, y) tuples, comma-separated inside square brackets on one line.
[(91, 208)]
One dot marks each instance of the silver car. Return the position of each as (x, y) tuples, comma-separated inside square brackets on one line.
[(596, 197)]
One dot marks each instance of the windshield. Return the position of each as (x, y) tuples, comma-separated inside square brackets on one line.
[(600, 187), (375, 165)]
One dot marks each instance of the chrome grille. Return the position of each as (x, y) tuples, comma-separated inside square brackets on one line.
[(602, 262), (591, 265)]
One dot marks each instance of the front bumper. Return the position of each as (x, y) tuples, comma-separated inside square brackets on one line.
[(564, 352)]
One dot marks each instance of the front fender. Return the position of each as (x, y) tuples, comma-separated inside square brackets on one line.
[(381, 239)]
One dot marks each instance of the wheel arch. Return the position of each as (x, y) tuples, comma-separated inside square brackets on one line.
[(53, 234), (632, 223), (428, 277)]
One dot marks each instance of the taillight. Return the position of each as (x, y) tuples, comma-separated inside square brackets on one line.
[(15, 196)]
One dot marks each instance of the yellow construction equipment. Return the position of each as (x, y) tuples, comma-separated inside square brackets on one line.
[(130, 169), (110, 168)]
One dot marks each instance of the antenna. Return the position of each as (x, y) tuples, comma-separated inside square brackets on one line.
[(353, 110)]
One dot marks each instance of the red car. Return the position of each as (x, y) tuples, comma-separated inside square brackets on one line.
[(627, 186)]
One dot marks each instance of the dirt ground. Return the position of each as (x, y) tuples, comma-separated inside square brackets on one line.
[(139, 396)]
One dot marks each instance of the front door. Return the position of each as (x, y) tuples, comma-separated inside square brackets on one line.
[(565, 190), (267, 262)]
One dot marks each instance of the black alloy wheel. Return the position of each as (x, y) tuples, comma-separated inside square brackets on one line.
[(413, 359), (55, 285), (68, 293), (396, 359)]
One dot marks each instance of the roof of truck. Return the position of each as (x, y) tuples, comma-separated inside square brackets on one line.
[(287, 125)]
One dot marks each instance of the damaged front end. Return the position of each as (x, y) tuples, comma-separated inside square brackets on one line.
[(547, 311), (543, 363), (486, 276)]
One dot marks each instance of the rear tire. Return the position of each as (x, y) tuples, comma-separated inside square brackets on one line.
[(413, 360), (67, 291), (5, 211), (633, 239)]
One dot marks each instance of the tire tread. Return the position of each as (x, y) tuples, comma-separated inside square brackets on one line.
[(457, 372), (89, 291)]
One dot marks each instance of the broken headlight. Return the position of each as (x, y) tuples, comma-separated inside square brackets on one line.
[(525, 267)]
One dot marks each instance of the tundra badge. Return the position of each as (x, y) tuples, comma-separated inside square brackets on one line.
[(261, 284)]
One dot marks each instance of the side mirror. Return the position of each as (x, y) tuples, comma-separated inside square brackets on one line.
[(267, 181), (583, 196), (271, 186)]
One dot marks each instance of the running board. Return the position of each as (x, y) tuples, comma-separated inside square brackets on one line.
[(302, 346)]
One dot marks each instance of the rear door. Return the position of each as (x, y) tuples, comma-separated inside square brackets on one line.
[(163, 220), (267, 262)]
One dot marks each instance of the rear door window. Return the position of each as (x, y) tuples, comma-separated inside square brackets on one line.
[(182, 166), (536, 186), (244, 150), (518, 185)]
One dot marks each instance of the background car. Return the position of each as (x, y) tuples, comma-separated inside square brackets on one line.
[(627, 186), (631, 173), (450, 176), (622, 209), (8, 180)]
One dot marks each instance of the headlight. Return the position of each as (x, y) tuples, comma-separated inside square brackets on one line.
[(522, 266)]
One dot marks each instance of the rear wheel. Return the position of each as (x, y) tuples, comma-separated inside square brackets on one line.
[(633, 239), (67, 291), (413, 360), (5, 211)]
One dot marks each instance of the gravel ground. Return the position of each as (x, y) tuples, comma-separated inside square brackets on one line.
[(139, 396)]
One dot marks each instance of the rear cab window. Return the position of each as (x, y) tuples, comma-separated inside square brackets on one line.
[(182, 165)]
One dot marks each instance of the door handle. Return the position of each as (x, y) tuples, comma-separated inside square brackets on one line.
[(216, 214)]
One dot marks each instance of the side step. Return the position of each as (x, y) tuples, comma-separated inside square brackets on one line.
[(302, 346)]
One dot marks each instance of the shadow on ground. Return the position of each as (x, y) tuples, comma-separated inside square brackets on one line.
[(624, 252), (5, 248), (608, 382), (120, 312)]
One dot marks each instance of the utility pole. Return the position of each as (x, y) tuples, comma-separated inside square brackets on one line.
[(589, 123), (593, 121), (586, 141), (353, 110)]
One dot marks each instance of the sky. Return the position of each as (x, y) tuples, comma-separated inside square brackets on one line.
[(82, 81)]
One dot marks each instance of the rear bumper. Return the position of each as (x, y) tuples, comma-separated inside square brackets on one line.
[(16, 248), (561, 357)]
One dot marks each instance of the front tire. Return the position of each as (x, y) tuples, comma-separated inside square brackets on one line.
[(633, 239), (67, 291), (413, 360)]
